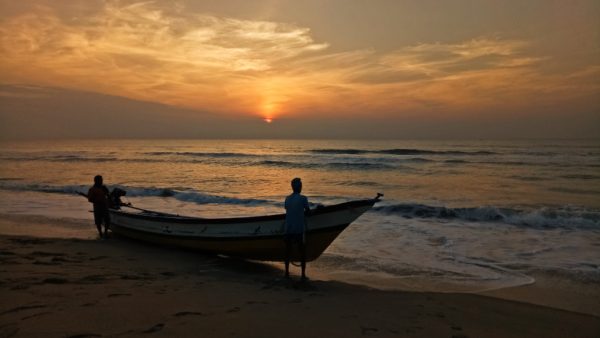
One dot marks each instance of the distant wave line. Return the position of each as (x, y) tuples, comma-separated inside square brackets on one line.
[(199, 154), (400, 151)]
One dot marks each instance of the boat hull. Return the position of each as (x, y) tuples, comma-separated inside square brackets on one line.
[(259, 238)]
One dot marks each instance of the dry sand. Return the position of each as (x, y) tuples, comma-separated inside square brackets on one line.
[(118, 287)]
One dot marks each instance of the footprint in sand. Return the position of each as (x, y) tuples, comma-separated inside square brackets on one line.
[(368, 330), (155, 328), (118, 295), (45, 263), (55, 280), (188, 313), (168, 274), (36, 315), (234, 309), (94, 279), (131, 277), (9, 330), (23, 308), (47, 254), (97, 258)]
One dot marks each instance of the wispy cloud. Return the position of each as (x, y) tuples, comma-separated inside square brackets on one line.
[(224, 64)]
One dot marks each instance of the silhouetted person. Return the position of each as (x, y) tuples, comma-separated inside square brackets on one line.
[(296, 205), (98, 195)]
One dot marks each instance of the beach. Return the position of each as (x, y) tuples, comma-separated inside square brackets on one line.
[(70, 287)]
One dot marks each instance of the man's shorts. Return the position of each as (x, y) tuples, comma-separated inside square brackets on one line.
[(101, 216)]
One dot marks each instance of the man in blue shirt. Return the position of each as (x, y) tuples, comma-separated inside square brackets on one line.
[(296, 206)]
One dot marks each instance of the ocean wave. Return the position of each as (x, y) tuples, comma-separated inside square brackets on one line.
[(529, 178), (581, 176), (456, 161), (417, 160), (64, 189), (191, 196), (198, 154), (516, 163), (181, 194), (542, 217), (575, 191), (399, 151), (331, 165), (359, 165), (356, 183), (545, 217), (220, 158), (60, 158)]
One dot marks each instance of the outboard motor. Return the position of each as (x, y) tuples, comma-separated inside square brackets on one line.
[(115, 198)]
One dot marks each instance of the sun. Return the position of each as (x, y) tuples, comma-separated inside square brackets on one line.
[(269, 110)]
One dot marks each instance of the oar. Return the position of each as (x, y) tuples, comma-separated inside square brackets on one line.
[(149, 211), (132, 207)]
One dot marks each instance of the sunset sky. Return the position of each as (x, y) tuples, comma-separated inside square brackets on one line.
[(338, 68)]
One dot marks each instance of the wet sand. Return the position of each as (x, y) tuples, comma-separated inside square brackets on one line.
[(117, 287)]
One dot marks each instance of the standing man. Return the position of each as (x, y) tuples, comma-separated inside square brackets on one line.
[(296, 206), (98, 195)]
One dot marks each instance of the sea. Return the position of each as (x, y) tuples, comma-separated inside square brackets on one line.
[(456, 215)]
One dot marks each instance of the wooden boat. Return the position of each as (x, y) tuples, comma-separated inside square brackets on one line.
[(259, 237)]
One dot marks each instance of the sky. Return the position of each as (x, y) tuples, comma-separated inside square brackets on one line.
[(299, 69)]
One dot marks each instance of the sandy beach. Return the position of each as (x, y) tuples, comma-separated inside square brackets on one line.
[(117, 287)]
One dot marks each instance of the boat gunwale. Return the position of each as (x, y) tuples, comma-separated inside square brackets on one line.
[(245, 219), (212, 238)]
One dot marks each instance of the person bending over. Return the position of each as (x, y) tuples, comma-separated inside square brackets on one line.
[(296, 206)]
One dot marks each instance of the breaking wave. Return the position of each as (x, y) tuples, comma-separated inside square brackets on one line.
[(182, 194), (569, 217), (546, 217)]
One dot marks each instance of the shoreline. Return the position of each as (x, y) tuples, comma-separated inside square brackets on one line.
[(117, 287)]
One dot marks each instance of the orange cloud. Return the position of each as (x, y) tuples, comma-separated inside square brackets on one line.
[(271, 69)]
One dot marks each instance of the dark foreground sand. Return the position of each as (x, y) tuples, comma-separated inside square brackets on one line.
[(118, 287)]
